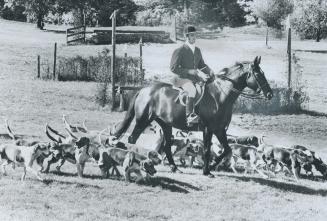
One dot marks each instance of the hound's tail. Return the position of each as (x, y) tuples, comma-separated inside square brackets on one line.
[(129, 116)]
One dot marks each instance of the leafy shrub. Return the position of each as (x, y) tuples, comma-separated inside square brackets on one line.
[(97, 68), (284, 101), (159, 15), (15, 12), (147, 37), (102, 95)]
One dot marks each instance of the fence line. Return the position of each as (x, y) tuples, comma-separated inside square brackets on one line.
[(75, 34)]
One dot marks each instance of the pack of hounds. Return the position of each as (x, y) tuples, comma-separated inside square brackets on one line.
[(80, 145)]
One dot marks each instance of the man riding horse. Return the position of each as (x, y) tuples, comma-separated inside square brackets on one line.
[(159, 101), (187, 63)]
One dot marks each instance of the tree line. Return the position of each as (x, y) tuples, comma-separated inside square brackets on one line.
[(307, 17)]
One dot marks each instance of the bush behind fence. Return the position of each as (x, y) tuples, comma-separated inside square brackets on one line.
[(285, 100), (94, 68)]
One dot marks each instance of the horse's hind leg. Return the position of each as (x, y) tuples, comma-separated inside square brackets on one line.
[(167, 131), (140, 126)]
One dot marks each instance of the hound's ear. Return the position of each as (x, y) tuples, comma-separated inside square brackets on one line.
[(82, 141), (152, 154), (36, 148), (255, 60), (296, 151), (259, 60)]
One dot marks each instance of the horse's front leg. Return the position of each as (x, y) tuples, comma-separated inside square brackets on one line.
[(167, 133), (227, 152), (167, 130), (207, 136)]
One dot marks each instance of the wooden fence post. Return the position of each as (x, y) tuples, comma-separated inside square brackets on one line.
[(54, 61), (174, 31), (267, 33), (113, 55), (67, 36), (38, 66), (141, 55), (289, 53)]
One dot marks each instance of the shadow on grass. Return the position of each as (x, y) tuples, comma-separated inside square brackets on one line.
[(88, 176), (77, 184), (319, 178), (313, 113), (171, 184), (164, 182), (290, 187)]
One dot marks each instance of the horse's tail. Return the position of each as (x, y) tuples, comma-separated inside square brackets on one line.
[(129, 116)]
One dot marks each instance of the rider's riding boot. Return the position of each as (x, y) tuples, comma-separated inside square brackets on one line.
[(191, 117)]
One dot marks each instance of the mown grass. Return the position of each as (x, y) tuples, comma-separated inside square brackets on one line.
[(167, 196)]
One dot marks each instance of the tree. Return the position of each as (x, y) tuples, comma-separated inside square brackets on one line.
[(310, 19), (273, 12), (103, 9), (2, 4), (245, 5), (220, 12), (126, 15), (12, 10), (37, 9)]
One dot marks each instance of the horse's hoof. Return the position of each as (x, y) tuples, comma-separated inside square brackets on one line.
[(173, 168), (178, 170), (212, 167), (210, 175)]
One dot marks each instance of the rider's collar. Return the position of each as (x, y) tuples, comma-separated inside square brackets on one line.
[(191, 46)]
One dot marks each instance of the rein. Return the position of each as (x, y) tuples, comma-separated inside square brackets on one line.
[(241, 93)]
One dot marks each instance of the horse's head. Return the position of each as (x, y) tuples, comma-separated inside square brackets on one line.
[(256, 79)]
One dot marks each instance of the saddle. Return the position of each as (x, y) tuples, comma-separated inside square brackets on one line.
[(182, 94)]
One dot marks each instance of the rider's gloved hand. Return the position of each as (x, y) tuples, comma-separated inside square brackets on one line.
[(204, 77), (212, 74), (193, 72)]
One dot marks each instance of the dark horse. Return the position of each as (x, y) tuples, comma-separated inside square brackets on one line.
[(157, 103)]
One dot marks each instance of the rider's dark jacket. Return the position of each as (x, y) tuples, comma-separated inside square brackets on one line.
[(183, 59)]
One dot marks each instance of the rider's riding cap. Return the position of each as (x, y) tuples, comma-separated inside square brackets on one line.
[(189, 29)]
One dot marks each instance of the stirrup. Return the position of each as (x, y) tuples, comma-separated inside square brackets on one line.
[(192, 119)]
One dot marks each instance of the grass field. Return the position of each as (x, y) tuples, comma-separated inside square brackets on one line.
[(29, 104)]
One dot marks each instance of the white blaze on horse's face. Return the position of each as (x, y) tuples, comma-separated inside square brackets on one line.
[(256, 79)]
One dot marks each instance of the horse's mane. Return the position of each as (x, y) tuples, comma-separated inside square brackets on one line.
[(227, 71)]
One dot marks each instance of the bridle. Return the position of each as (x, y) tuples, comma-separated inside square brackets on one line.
[(241, 93)]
